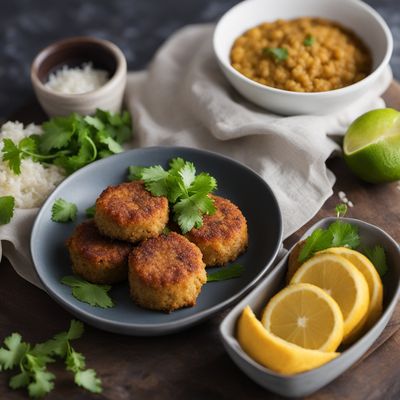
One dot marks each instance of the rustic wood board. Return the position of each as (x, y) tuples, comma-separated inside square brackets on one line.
[(193, 364)]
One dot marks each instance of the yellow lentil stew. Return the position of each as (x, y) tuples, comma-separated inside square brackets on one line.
[(301, 55)]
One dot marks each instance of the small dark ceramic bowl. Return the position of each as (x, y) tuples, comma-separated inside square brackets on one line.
[(305, 383), (74, 52)]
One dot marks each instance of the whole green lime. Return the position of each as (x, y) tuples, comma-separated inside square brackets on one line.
[(371, 146)]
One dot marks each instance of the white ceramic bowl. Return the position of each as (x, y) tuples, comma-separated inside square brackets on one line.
[(354, 14)]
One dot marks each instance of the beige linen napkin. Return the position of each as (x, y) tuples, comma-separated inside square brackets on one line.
[(183, 99)]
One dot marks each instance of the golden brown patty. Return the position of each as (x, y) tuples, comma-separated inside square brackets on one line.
[(166, 273), (96, 258), (129, 212), (223, 235)]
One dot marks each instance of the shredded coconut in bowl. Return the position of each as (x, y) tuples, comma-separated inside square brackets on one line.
[(77, 80), (36, 181)]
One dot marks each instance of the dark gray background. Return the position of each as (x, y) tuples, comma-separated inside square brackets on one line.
[(138, 27)]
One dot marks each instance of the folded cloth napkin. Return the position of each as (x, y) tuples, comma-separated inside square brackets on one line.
[(183, 99)]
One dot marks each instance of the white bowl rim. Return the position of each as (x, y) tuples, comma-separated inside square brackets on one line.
[(329, 93)]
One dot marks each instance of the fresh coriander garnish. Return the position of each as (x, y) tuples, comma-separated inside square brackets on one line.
[(233, 271), (187, 192), (277, 53), (71, 142), (90, 211), (338, 234), (32, 362), (95, 295), (63, 211), (320, 239), (341, 210), (377, 256), (7, 204), (309, 40)]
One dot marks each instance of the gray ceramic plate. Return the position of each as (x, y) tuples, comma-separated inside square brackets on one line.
[(308, 382), (236, 182)]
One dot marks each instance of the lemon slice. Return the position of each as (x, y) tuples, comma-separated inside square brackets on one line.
[(274, 352), (340, 279), (305, 315), (373, 280)]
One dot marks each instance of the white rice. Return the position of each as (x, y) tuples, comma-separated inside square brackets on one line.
[(77, 80), (36, 181)]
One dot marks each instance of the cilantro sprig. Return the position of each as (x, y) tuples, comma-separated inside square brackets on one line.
[(71, 142), (32, 362), (63, 211), (338, 234), (187, 192), (95, 295), (233, 271), (342, 234), (7, 205)]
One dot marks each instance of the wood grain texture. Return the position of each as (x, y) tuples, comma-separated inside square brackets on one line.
[(192, 364)]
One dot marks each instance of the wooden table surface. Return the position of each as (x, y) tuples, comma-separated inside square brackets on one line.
[(192, 364)]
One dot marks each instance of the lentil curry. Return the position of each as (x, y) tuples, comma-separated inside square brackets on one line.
[(302, 55)]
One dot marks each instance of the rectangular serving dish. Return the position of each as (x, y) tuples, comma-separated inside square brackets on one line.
[(305, 383)]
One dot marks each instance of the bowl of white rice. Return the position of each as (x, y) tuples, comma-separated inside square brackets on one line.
[(79, 74)]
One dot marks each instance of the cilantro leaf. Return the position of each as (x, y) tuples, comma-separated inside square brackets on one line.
[(176, 188), (377, 256), (155, 178), (344, 234), (7, 205), (153, 174), (112, 145), (90, 211), (277, 53), (13, 352), (118, 125), (85, 155), (20, 380), (341, 210), (95, 295), (12, 154), (88, 380), (63, 211), (309, 40), (320, 239), (135, 173), (75, 330), (176, 164), (203, 183), (187, 215), (58, 131), (75, 361), (42, 383), (157, 188), (28, 145), (233, 271), (95, 122), (188, 174)]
